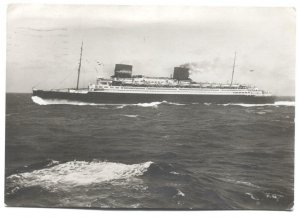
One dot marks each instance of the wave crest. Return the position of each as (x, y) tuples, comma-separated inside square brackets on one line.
[(76, 173)]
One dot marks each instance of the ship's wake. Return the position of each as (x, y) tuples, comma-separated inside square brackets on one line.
[(68, 175), (155, 104), (41, 101), (276, 104)]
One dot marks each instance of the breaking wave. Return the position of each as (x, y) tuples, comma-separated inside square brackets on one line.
[(276, 104), (75, 173)]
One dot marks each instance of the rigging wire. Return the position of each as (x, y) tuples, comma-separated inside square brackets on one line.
[(58, 86), (37, 84)]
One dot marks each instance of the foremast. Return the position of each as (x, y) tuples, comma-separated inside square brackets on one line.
[(233, 69), (79, 67)]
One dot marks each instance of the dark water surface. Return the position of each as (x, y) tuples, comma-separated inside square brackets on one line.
[(157, 155)]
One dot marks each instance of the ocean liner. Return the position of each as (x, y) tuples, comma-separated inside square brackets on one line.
[(125, 88)]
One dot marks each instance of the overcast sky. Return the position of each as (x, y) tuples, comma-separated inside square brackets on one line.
[(43, 44)]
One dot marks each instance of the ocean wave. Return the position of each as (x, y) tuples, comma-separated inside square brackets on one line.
[(239, 182), (65, 176), (276, 104)]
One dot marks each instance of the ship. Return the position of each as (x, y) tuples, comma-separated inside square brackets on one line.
[(126, 88)]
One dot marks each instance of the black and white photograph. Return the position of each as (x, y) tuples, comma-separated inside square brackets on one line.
[(150, 107)]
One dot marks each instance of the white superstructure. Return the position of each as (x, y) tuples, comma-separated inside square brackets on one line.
[(152, 85)]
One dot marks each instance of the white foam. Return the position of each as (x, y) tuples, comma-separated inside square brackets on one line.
[(172, 103), (180, 193), (129, 115), (122, 106), (276, 104), (261, 112), (274, 196), (151, 104), (77, 173), (285, 103), (154, 104), (41, 101), (52, 163), (207, 104), (175, 173), (252, 196)]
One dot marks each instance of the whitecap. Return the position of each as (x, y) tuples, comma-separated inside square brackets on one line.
[(180, 193), (175, 173), (137, 205), (207, 104), (252, 196), (65, 176), (273, 196), (129, 115), (121, 106)]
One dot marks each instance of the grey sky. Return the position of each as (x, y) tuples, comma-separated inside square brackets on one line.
[(43, 44)]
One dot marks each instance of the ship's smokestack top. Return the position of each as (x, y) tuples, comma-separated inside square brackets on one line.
[(123, 71), (181, 73)]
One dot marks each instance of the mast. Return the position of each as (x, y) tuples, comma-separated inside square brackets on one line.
[(79, 66), (233, 69)]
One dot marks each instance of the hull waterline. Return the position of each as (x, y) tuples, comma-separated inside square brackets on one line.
[(133, 98)]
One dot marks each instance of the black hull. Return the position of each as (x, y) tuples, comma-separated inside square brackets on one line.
[(133, 98)]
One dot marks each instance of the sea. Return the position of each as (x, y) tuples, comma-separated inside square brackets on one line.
[(156, 155)]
